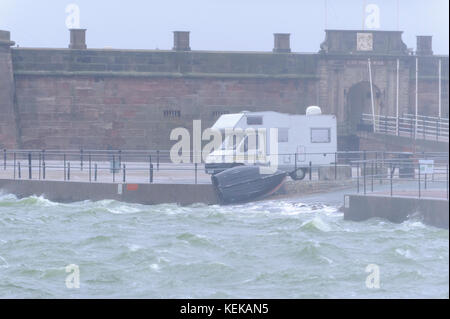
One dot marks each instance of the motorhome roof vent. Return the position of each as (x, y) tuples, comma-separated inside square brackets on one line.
[(313, 110)]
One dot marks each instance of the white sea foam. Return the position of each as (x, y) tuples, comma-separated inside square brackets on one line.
[(7, 197), (3, 263), (404, 253), (134, 247), (155, 267), (124, 209)]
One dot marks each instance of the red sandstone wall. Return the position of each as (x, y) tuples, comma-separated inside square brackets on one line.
[(428, 98), (8, 131), (128, 113)]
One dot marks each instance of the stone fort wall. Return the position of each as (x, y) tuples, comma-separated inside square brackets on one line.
[(131, 99)]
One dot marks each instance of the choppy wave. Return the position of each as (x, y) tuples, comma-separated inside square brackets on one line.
[(316, 224), (266, 249)]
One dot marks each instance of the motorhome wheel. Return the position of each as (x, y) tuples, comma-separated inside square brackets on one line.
[(298, 175)]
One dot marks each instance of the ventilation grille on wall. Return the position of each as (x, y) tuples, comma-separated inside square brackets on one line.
[(172, 113), (219, 113)]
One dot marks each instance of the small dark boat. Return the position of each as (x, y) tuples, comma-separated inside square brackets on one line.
[(246, 183)]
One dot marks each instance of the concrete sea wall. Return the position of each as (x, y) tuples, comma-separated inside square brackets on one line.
[(397, 209), (60, 191)]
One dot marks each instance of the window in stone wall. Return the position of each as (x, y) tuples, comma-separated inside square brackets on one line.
[(172, 113)]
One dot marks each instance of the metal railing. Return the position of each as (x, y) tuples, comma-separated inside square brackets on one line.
[(422, 127), (406, 175), (155, 166)]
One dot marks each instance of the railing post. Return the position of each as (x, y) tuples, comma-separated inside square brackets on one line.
[(14, 165), (419, 182), (371, 174), (39, 165), (364, 177), (437, 130), (19, 170), (335, 165), (390, 176), (64, 166), (95, 172), (357, 178), (81, 159), (90, 168), (114, 169), (29, 166), (68, 171), (43, 170), (149, 168), (376, 164), (425, 182), (4, 159), (157, 160), (411, 129), (195, 165), (124, 173), (423, 129), (446, 179), (364, 169), (310, 170), (151, 173)]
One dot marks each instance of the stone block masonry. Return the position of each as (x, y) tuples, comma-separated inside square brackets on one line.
[(8, 125), (132, 99)]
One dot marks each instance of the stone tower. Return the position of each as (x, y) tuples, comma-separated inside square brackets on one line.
[(8, 130)]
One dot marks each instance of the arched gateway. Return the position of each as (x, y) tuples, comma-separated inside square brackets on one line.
[(358, 101)]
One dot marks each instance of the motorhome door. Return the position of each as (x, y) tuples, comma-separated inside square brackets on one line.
[(301, 153)]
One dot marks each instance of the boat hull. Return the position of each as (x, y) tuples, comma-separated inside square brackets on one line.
[(246, 183)]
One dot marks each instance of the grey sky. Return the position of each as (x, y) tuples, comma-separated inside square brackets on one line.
[(235, 25)]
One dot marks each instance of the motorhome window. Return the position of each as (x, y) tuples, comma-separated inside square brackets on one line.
[(283, 135), (254, 120), (246, 144), (320, 135), (251, 142)]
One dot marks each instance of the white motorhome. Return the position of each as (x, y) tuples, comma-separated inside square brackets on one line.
[(289, 141)]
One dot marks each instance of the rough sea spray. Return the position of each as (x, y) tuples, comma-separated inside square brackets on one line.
[(269, 249)]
